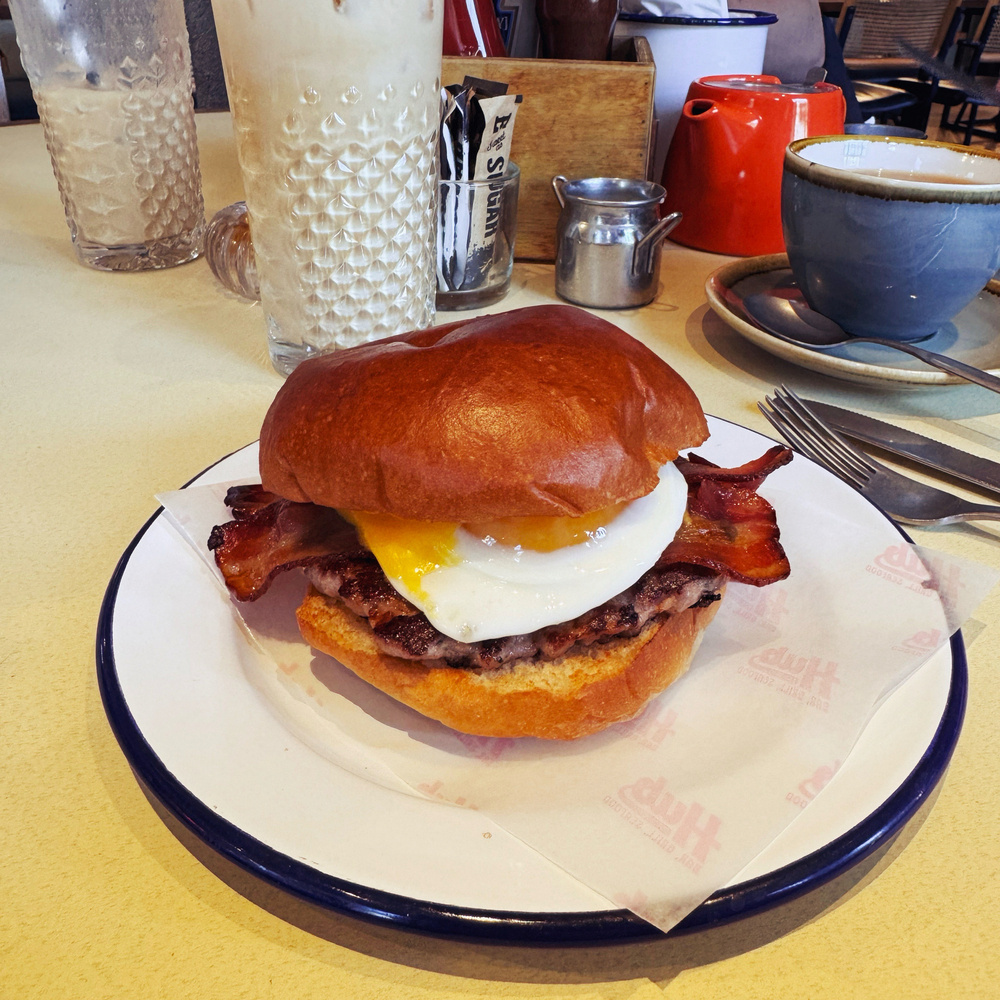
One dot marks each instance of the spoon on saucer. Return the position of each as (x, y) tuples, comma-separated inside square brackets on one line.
[(796, 323)]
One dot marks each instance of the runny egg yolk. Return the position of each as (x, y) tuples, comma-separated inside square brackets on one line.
[(480, 581), (545, 534), (407, 550)]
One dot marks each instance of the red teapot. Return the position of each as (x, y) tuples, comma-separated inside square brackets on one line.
[(723, 169)]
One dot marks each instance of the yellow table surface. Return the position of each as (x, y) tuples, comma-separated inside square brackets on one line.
[(115, 386)]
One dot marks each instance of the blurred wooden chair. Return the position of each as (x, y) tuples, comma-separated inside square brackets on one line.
[(871, 46), (890, 82), (866, 99), (978, 57)]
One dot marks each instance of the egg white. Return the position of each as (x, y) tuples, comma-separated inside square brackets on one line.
[(495, 590)]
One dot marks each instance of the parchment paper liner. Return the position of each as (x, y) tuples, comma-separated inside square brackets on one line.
[(658, 813)]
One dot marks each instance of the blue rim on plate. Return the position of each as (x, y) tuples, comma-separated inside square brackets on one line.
[(741, 18), (379, 906)]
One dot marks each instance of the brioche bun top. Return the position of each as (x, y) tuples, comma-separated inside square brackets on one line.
[(547, 410)]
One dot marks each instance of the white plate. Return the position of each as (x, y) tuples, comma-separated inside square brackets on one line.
[(973, 336), (215, 753)]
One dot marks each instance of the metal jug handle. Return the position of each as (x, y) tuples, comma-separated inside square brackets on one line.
[(558, 182), (643, 250)]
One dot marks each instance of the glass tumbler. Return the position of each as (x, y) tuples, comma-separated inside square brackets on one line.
[(477, 228), (112, 81), (336, 111)]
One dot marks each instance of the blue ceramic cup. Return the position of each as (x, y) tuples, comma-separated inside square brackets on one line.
[(890, 237)]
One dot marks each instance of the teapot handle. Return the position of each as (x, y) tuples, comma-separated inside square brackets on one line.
[(558, 182)]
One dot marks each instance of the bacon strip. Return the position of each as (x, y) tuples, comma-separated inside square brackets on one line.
[(728, 529), (269, 534)]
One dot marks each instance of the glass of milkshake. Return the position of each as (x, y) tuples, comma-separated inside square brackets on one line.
[(112, 81), (336, 110)]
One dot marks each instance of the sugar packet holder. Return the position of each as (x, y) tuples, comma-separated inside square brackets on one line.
[(477, 125)]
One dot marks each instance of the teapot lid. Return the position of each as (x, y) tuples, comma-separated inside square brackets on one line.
[(763, 85)]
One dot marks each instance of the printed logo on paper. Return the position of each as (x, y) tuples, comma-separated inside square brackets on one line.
[(921, 643), (813, 785), (300, 673), (811, 680), (436, 790), (763, 606), (652, 727), (901, 565), (485, 748), (687, 831)]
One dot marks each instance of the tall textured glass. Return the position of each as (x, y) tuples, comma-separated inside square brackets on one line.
[(112, 80), (336, 110)]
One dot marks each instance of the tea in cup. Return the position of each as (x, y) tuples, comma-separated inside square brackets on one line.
[(890, 237)]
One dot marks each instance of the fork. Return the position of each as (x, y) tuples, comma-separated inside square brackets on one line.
[(900, 497)]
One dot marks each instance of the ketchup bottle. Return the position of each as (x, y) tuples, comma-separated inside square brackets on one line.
[(471, 29)]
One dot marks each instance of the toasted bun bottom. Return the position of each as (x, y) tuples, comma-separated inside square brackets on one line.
[(565, 699)]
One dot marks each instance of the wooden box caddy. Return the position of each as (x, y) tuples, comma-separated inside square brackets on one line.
[(579, 119)]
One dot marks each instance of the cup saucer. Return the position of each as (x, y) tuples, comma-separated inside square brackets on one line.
[(971, 336)]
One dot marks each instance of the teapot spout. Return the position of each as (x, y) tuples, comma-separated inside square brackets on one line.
[(700, 109)]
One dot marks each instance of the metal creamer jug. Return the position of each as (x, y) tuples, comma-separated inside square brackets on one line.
[(608, 240)]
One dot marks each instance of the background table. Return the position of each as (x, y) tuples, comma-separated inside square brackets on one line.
[(115, 386)]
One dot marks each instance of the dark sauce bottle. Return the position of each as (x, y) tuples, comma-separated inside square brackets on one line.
[(577, 29)]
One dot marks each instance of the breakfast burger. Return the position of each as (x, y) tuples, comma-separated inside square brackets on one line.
[(494, 521)]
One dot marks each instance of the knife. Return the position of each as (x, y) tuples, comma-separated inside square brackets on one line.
[(922, 450)]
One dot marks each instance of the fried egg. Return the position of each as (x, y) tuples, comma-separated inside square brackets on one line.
[(516, 575)]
